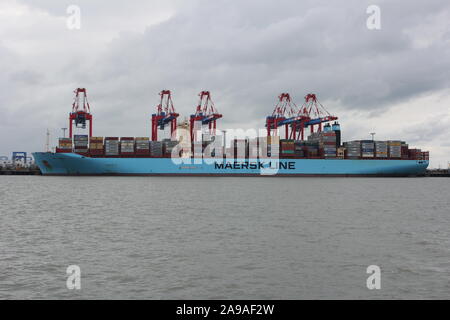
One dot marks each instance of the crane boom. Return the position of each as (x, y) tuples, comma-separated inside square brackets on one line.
[(81, 112), (205, 113), (165, 115)]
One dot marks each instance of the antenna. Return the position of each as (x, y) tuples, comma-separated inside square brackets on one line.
[(373, 135), (47, 142), (225, 142), (64, 132)]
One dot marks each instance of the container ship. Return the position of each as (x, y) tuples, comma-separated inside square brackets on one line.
[(311, 146)]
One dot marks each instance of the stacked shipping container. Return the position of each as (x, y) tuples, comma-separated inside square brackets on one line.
[(254, 148), (156, 148), (273, 146), (207, 139), (318, 145), (415, 154), (239, 148), (168, 147), (404, 150), (301, 149), (64, 145), (80, 143), (142, 146), (111, 146), (287, 147), (96, 146), (367, 148), (327, 143), (395, 149), (127, 146), (353, 149), (381, 149)]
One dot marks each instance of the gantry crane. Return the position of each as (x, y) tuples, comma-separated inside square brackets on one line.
[(286, 114), (19, 155), (81, 112), (165, 115), (206, 113), (317, 112)]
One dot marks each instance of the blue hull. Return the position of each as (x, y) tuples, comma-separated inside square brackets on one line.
[(74, 164)]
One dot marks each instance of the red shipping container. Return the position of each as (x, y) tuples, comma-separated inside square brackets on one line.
[(61, 150), (96, 151)]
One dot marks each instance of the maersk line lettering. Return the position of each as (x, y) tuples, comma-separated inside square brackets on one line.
[(290, 165)]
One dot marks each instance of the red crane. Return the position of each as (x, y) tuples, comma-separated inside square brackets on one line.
[(206, 113), (165, 114), (286, 114), (316, 111), (298, 126), (81, 112)]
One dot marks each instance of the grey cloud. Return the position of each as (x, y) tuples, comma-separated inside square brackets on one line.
[(326, 49), (245, 52), (433, 128), (27, 77)]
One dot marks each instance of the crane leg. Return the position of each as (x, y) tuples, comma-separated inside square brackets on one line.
[(154, 130), (172, 128)]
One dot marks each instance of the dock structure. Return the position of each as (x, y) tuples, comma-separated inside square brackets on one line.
[(437, 173), (23, 171)]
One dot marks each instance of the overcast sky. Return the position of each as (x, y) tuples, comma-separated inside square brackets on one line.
[(393, 81)]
